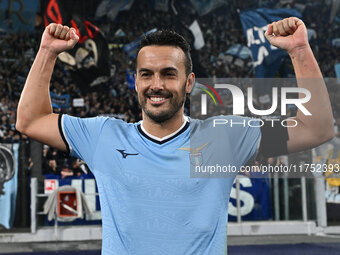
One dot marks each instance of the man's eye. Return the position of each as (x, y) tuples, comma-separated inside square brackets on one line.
[(170, 74), (144, 74)]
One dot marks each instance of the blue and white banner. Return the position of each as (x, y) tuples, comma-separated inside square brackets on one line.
[(255, 200), (60, 101), (18, 15), (131, 48), (8, 183), (266, 58)]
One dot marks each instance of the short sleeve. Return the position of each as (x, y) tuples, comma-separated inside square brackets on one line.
[(233, 140), (81, 135), (245, 136)]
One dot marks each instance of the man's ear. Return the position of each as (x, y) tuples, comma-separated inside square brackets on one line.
[(190, 82)]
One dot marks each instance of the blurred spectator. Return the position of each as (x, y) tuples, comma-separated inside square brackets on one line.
[(66, 172), (52, 167), (79, 168), (30, 164)]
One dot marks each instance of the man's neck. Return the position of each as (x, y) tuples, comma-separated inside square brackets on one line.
[(163, 129)]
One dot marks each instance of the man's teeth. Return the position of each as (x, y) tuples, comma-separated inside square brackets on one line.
[(157, 99)]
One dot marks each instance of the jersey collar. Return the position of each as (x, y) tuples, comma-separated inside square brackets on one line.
[(167, 138)]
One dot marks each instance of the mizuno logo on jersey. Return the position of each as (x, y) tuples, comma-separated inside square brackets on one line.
[(125, 154)]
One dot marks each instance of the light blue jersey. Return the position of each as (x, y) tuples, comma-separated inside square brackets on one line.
[(149, 203)]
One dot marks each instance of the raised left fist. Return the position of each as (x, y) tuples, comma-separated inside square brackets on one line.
[(288, 34)]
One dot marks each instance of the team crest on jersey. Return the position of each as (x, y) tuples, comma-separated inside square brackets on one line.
[(196, 158)]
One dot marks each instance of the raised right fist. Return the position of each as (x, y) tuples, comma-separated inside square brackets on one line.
[(58, 38)]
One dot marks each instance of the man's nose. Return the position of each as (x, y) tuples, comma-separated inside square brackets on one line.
[(157, 82)]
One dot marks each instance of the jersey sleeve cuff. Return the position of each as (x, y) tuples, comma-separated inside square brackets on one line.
[(62, 133)]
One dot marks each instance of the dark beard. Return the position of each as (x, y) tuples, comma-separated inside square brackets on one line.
[(175, 105)]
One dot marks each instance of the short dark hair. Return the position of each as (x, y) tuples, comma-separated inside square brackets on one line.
[(169, 38)]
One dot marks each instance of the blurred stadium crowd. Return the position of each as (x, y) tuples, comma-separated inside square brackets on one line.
[(221, 29)]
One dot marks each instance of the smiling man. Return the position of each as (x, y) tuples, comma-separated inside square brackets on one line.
[(149, 203), (164, 76)]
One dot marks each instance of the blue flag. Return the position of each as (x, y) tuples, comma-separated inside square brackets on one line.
[(266, 58), (18, 15), (60, 101), (131, 48), (8, 183)]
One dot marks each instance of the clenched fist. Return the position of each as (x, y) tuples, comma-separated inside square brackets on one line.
[(288, 34), (58, 38)]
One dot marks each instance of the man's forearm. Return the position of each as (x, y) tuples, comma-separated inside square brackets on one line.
[(309, 76), (35, 98), (305, 64)]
